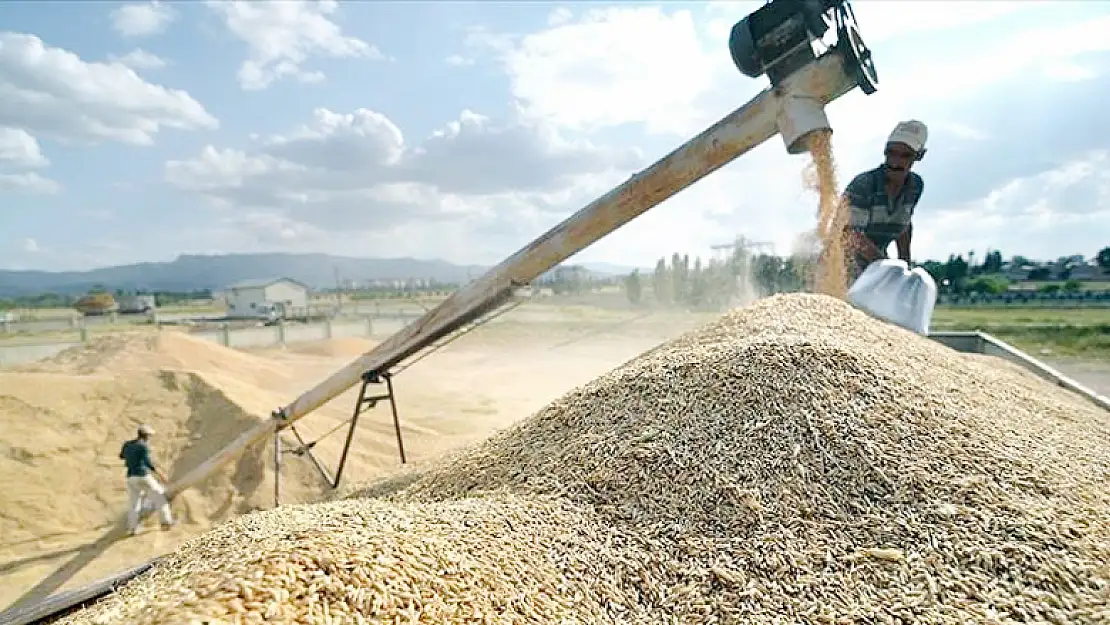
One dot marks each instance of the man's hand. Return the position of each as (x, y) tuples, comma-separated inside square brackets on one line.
[(903, 242), (860, 244)]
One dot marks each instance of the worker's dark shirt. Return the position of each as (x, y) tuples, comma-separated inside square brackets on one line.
[(136, 454), (878, 217)]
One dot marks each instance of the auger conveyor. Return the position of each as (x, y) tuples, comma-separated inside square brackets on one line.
[(777, 40)]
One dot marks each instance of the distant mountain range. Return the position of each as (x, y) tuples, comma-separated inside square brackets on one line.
[(193, 272)]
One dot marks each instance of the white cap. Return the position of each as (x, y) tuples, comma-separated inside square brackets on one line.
[(145, 430), (912, 133)]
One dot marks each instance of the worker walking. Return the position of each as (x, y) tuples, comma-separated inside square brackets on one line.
[(883, 200), (141, 484)]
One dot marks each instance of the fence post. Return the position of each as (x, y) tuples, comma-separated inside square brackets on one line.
[(225, 335), (281, 331), (84, 333), (327, 329), (369, 326)]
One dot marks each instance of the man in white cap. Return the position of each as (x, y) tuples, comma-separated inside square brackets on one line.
[(141, 484), (883, 200)]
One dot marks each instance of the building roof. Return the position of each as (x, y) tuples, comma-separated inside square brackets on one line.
[(261, 283)]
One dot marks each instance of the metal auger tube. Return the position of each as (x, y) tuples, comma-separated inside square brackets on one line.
[(796, 104)]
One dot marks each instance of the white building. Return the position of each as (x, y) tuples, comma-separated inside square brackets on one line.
[(274, 297)]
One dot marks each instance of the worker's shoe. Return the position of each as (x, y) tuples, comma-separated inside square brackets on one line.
[(168, 526), (134, 531)]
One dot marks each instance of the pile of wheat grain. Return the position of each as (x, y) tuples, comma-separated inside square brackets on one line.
[(480, 560), (794, 462)]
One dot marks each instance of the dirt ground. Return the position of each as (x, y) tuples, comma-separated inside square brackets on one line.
[(69, 486), (1093, 375)]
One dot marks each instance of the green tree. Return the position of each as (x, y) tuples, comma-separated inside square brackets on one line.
[(767, 272), (661, 283), (699, 287), (632, 287), (993, 262), (678, 279), (935, 269), (1103, 258), (1040, 273), (1071, 286), (956, 269), (992, 286)]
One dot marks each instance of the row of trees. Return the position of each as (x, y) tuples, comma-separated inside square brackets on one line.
[(66, 300), (719, 283), (677, 281)]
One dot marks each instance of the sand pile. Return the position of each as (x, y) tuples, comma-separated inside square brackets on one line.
[(127, 352), (65, 420), (256, 383), (795, 462), (68, 430), (348, 347)]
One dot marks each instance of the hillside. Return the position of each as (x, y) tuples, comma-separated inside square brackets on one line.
[(192, 273)]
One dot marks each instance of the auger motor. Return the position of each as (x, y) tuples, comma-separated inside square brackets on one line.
[(777, 40)]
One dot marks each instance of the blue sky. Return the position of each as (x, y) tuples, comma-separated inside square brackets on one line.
[(139, 131)]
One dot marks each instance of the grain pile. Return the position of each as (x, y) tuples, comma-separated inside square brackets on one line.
[(347, 347), (64, 420), (794, 462)]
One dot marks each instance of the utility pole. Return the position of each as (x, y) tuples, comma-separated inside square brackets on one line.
[(338, 292)]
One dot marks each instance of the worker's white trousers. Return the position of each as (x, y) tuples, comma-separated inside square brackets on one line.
[(146, 487)]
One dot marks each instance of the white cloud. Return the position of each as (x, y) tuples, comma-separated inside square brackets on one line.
[(1071, 201), (139, 59), (142, 19), (282, 36), (355, 171), (559, 16), (881, 22), (48, 91), (30, 182), (609, 68), (644, 78), (30, 245), (456, 60), (19, 149)]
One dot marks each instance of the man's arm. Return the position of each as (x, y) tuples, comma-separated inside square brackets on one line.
[(903, 243), (857, 196), (903, 240), (150, 465)]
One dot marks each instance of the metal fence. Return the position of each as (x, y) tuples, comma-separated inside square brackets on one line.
[(15, 352), (1019, 299)]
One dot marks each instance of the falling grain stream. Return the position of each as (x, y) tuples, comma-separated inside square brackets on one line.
[(820, 176)]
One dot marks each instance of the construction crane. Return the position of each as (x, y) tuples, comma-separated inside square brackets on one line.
[(776, 40), (723, 250)]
